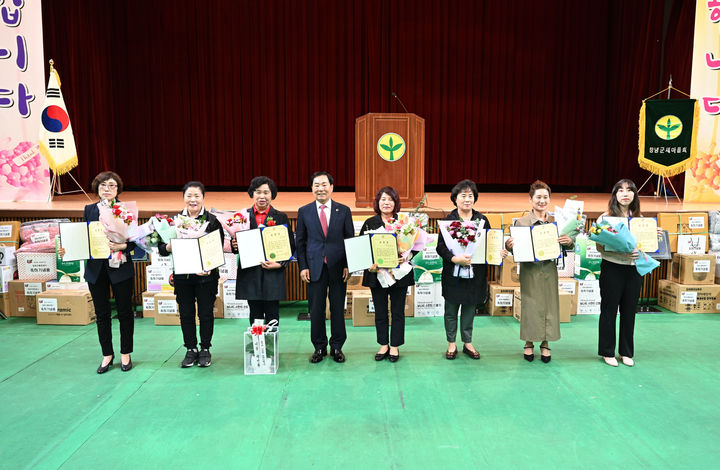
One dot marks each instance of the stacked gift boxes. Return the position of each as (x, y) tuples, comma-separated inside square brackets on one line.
[(691, 287), (568, 300)]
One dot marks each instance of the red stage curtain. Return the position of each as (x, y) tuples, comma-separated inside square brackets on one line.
[(167, 91)]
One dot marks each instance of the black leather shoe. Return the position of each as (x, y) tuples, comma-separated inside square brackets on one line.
[(102, 369), (317, 356), (547, 358), (381, 356), (473, 355), (337, 355), (528, 357), (126, 367), (394, 357), (450, 355)]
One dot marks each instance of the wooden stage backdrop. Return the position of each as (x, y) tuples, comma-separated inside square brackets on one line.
[(438, 205)]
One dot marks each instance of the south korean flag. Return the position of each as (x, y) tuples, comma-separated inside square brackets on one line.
[(57, 143)]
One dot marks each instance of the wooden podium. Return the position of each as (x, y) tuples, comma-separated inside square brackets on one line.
[(403, 168)]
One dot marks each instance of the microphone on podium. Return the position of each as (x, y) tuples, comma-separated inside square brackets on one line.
[(399, 101)]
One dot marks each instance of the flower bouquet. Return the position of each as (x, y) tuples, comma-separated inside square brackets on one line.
[(461, 237), (237, 222), (569, 223), (188, 227), (119, 219), (621, 240), (410, 231), (148, 235)]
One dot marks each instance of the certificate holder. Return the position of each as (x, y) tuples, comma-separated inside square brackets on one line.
[(644, 229), (195, 255), (384, 250), (545, 244), (479, 255), (75, 240), (250, 248), (276, 243), (358, 253), (99, 243), (522, 245)]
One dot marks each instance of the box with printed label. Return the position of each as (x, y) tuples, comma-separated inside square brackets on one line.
[(428, 300), (65, 307), (7, 274), (570, 286), (427, 264), (10, 233), (68, 271), (684, 298), (21, 296), (685, 223), (7, 256), (587, 259), (148, 304), (37, 266), (500, 300), (363, 309), (693, 269), (567, 304), (588, 301), (53, 285), (167, 311), (232, 307), (157, 260), (157, 278), (509, 275)]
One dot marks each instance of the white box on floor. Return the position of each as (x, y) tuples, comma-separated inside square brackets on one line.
[(588, 297), (37, 266), (429, 301), (232, 307)]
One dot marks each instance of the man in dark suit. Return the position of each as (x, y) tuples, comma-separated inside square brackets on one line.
[(322, 227)]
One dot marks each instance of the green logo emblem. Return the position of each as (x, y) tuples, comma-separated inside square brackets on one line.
[(668, 127), (391, 147)]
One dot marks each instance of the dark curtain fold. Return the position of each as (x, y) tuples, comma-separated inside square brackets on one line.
[(167, 91)]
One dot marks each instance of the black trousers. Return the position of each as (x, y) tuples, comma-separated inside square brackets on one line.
[(204, 294), (397, 304), (267, 310), (317, 292), (620, 286), (100, 292)]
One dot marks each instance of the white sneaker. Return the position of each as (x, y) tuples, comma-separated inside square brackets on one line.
[(628, 361), (611, 361)]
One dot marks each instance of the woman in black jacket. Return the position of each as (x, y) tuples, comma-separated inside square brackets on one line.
[(191, 288), (100, 276), (386, 206), (263, 286), (460, 293)]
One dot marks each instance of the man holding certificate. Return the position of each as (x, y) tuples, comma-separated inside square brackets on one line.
[(322, 227), (202, 287), (263, 286), (540, 314)]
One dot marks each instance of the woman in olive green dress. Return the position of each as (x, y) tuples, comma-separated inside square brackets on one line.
[(540, 314)]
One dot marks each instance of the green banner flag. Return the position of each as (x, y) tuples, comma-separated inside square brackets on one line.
[(668, 132)]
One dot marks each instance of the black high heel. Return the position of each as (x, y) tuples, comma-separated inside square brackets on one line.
[(102, 369), (126, 367), (547, 358), (529, 357)]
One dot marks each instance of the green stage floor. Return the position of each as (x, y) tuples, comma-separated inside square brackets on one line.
[(422, 412)]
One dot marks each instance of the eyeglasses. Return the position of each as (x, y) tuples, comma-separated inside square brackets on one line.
[(108, 186)]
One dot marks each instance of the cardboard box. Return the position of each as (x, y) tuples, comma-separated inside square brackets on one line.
[(363, 310), (684, 298), (68, 271), (65, 307), (53, 285), (348, 303), (509, 275), (148, 304), (7, 256), (587, 259), (157, 279), (504, 220), (159, 261), (21, 297), (567, 306), (693, 269), (10, 233), (167, 311), (218, 307), (36, 266), (500, 300), (7, 274), (428, 300), (588, 297), (570, 286), (683, 222)]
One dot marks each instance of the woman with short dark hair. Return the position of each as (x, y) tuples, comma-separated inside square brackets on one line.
[(263, 286), (100, 277), (200, 288), (387, 206), (463, 294)]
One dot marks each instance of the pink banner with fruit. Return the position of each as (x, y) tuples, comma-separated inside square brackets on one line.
[(24, 173), (702, 180)]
